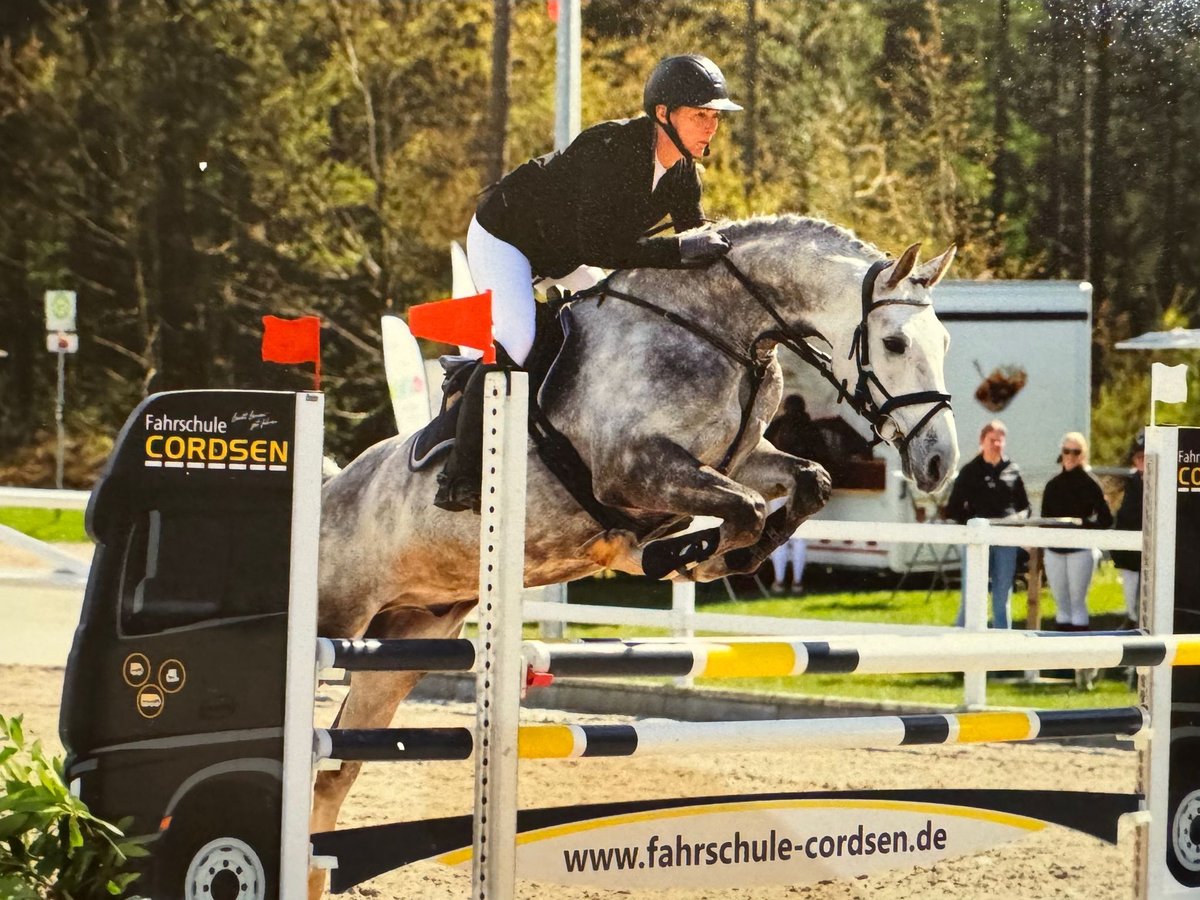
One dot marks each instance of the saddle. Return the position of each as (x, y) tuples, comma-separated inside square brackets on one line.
[(556, 350)]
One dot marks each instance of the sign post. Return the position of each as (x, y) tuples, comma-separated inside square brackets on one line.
[(61, 339)]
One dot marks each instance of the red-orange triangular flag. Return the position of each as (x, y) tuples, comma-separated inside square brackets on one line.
[(466, 321)]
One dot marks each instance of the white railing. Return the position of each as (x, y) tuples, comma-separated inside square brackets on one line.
[(65, 570), (976, 537), (682, 619), (44, 498)]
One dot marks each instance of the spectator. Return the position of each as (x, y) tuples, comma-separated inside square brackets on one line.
[(990, 487), (793, 432), (1075, 493), (793, 550), (1129, 518)]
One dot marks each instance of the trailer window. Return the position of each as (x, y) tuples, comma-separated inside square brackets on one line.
[(183, 568)]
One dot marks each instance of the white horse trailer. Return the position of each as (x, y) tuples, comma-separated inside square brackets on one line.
[(1020, 351)]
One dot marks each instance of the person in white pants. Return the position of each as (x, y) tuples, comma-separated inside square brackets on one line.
[(1074, 493), (795, 551)]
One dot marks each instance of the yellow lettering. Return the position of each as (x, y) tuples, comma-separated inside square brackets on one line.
[(237, 450), (150, 442), (1195, 475), (279, 452), (174, 447), (195, 448), (218, 449), (258, 451)]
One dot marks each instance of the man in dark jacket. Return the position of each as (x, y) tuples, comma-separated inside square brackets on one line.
[(990, 487), (563, 216), (1129, 518)]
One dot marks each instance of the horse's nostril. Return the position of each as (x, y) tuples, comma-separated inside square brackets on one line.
[(934, 469)]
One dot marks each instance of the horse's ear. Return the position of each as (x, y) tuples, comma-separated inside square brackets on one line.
[(931, 273), (901, 267)]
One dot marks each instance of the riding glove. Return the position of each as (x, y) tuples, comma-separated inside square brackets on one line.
[(703, 246)]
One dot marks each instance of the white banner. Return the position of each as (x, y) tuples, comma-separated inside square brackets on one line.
[(726, 845)]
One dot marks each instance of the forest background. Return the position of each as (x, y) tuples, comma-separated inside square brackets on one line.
[(187, 166)]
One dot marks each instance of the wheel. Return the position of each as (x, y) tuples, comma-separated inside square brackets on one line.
[(222, 846), (1183, 835), (225, 868)]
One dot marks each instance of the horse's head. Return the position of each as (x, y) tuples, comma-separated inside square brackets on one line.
[(896, 359)]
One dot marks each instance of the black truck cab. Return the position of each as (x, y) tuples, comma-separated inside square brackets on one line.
[(173, 700)]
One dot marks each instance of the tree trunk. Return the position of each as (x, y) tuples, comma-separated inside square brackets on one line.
[(1000, 124), (497, 163), (750, 120)]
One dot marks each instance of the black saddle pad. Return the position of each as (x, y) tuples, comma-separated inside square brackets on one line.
[(434, 440)]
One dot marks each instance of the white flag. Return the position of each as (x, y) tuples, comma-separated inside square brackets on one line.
[(405, 371), (1168, 384)]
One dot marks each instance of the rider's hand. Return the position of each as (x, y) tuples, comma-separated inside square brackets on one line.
[(703, 246)]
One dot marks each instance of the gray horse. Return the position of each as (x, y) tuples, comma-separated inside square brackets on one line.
[(669, 380)]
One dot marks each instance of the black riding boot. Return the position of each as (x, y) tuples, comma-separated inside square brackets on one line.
[(459, 485)]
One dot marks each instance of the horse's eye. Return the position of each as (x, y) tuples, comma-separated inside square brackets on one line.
[(895, 345)]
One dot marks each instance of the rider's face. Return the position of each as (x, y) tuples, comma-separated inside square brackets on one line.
[(695, 126)]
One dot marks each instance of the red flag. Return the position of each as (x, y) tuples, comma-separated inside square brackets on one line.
[(466, 321), (293, 341)]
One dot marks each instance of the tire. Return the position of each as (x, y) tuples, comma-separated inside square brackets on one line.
[(226, 868), (213, 855), (1183, 815)]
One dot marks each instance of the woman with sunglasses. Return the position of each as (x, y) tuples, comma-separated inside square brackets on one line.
[(1074, 493)]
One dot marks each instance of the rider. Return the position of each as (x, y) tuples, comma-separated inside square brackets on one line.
[(561, 216)]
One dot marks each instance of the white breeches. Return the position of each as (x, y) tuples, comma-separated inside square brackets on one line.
[(1070, 576), (502, 268)]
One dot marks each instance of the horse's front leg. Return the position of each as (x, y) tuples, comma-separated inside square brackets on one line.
[(772, 473), (660, 476)]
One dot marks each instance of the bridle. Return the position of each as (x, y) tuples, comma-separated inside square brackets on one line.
[(879, 415), (860, 399)]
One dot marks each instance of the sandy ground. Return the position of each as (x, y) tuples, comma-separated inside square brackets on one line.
[(35, 628)]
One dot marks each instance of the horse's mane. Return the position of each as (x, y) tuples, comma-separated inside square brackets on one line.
[(826, 237)]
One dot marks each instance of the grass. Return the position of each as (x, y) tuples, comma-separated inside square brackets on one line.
[(51, 525), (869, 599)]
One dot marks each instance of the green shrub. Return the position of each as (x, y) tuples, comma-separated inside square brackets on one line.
[(51, 847)]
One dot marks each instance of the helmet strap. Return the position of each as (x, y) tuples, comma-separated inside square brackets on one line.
[(674, 135)]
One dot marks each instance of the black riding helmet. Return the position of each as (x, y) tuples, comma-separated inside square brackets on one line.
[(690, 80)]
